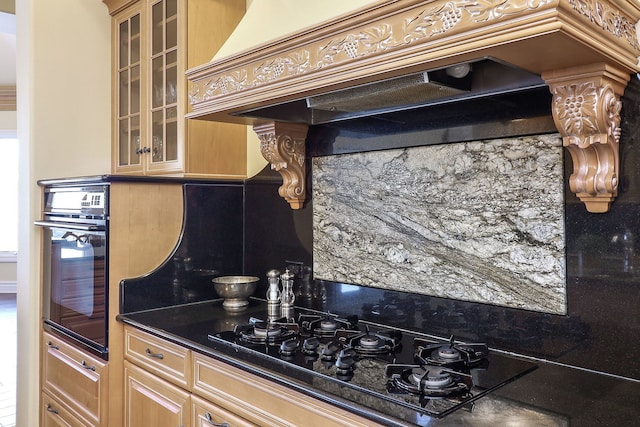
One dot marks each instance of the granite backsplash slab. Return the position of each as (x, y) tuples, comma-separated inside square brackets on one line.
[(477, 221)]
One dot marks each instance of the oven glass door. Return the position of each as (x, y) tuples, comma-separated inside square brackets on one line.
[(75, 282)]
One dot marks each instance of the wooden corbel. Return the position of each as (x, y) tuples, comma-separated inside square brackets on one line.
[(283, 146), (586, 110)]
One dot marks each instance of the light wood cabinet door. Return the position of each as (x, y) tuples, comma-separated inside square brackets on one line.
[(53, 414), (151, 401), (77, 379), (129, 68), (154, 42), (206, 414)]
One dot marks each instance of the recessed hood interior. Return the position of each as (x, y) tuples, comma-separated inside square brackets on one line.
[(384, 100)]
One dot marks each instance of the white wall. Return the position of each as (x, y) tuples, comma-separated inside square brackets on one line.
[(63, 89), (8, 123)]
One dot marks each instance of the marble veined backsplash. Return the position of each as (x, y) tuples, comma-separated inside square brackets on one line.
[(479, 221)]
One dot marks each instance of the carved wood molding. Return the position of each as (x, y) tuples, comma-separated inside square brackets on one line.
[(586, 109), (283, 146), (391, 38)]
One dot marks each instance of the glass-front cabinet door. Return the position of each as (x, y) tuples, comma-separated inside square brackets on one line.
[(148, 88), (152, 48), (129, 71), (164, 82)]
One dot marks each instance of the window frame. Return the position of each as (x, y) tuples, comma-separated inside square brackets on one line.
[(8, 256)]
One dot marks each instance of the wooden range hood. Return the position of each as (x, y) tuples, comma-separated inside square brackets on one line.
[(585, 51)]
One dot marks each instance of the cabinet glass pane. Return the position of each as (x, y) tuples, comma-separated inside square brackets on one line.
[(171, 134), (135, 89), (171, 31), (157, 82), (124, 92), (172, 84), (157, 26), (172, 8), (123, 142), (157, 144), (124, 44), (135, 142), (135, 39)]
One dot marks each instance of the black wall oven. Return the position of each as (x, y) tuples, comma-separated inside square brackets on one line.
[(75, 260)]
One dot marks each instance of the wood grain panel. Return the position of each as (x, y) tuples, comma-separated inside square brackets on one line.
[(76, 378), (150, 401), (167, 360), (217, 148), (145, 227)]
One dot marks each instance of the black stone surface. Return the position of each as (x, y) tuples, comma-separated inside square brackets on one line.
[(589, 373)]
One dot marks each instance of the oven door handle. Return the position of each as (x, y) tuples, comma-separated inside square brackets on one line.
[(70, 225)]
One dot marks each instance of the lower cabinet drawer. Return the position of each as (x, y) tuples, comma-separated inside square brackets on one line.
[(164, 359), (53, 414), (78, 380), (206, 414)]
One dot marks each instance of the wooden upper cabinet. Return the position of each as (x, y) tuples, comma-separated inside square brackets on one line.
[(154, 42)]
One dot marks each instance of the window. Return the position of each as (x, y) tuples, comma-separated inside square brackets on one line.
[(9, 197)]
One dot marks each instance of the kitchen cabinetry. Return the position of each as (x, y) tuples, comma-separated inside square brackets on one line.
[(79, 382), (151, 401), (161, 384), (54, 414), (154, 42), (206, 414), (145, 224), (218, 392), (162, 358)]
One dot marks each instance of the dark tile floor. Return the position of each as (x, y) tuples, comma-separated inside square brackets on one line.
[(8, 360)]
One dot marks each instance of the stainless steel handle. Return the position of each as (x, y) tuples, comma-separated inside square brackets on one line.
[(213, 423), (84, 364), (70, 225), (51, 409), (53, 346), (156, 355)]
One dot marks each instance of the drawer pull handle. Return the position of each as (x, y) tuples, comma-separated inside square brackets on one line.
[(53, 346), (210, 421), (156, 355), (51, 409), (84, 363)]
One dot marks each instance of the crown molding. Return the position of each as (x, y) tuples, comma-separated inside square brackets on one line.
[(7, 98)]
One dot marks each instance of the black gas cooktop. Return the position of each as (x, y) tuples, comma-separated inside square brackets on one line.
[(401, 373)]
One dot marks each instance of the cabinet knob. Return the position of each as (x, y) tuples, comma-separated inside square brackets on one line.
[(53, 346), (146, 150), (51, 409), (156, 355), (210, 421)]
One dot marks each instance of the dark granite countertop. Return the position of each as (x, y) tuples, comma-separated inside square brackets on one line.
[(552, 395), (83, 180)]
